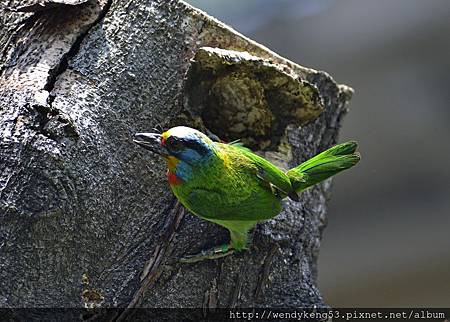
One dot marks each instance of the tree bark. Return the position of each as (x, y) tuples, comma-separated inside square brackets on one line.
[(86, 217)]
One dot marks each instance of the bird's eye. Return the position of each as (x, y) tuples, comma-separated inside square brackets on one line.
[(174, 144)]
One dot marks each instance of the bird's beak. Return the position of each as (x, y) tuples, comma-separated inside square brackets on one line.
[(150, 141)]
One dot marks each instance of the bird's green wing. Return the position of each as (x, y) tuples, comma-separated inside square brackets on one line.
[(266, 171)]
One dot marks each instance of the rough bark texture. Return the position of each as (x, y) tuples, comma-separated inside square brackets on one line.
[(86, 217)]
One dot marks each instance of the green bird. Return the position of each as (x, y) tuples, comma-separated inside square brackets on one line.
[(229, 185)]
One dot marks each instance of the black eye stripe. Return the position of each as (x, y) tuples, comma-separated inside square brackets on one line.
[(176, 143), (173, 142), (196, 146)]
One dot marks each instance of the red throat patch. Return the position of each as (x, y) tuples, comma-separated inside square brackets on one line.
[(173, 179)]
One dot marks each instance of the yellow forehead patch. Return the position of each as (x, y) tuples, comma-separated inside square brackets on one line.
[(165, 135)]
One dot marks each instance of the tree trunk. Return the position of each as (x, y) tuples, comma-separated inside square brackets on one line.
[(86, 217)]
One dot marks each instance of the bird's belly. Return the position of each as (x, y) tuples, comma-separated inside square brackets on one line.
[(229, 201)]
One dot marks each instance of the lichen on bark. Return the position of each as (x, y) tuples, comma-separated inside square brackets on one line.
[(241, 96)]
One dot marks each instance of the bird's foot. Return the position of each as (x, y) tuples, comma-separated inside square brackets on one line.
[(213, 253)]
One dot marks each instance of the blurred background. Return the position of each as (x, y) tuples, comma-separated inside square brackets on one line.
[(387, 243)]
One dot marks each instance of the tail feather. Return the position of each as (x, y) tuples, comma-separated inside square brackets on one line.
[(324, 165)]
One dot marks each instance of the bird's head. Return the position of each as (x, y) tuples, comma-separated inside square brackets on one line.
[(179, 144)]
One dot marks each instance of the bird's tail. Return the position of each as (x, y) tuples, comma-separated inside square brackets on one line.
[(324, 165)]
